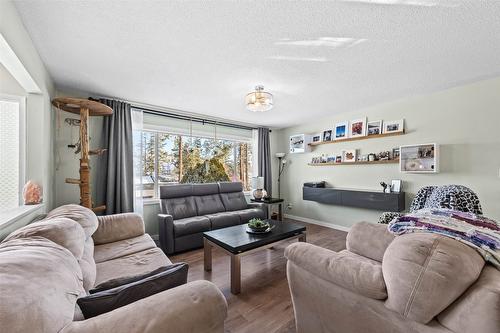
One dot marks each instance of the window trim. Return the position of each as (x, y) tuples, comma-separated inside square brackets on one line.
[(23, 137)]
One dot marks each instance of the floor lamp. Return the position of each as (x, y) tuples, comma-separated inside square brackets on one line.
[(281, 168)]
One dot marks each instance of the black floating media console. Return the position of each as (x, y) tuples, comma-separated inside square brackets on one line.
[(392, 202)]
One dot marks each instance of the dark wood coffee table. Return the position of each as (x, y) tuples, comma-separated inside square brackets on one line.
[(236, 242)]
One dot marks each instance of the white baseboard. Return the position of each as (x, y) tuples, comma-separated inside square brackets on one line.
[(321, 223)]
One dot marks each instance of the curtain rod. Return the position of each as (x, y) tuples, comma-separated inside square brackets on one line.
[(194, 119)]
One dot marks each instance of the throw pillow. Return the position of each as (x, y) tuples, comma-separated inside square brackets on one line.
[(108, 300)]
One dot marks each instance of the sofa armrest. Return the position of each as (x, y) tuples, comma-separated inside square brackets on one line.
[(259, 205), (198, 306), (113, 228), (166, 233), (345, 269), (369, 240)]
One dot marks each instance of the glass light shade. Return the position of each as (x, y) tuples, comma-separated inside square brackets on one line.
[(258, 182), (280, 155), (259, 100)]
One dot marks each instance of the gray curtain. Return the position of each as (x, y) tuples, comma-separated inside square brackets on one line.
[(264, 159), (114, 181)]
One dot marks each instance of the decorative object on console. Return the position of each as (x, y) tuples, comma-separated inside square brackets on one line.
[(281, 167), (259, 100), (374, 127), (320, 184), (396, 185), (358, 128), (341, 130), (317, 137), (299, 143), (394, 126), (423, 158), (258, 185), (32, 193), (384, 187), (349, 156), (327, 136)]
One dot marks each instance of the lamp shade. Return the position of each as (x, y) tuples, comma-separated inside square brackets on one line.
[(258, 182), (259, 100)]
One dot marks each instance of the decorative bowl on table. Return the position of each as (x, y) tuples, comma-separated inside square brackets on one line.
[(258, 226)]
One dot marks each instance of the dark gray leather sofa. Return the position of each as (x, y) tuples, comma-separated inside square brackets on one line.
[(187, 210)]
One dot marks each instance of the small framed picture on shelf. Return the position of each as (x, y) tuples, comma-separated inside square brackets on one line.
[(341, 130), (358, 128), (349, 156), (395, 153), (338, 159), (330, 159), (374, 127), (394, 126), (327, 135), (396, 185), (316, 138)]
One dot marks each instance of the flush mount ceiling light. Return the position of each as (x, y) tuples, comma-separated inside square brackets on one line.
[(259, 100)]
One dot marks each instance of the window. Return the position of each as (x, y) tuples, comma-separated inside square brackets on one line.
[(11, 151), (174, 158)]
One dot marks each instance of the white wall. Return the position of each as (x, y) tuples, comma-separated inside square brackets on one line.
[(464, 121), (39, 116)]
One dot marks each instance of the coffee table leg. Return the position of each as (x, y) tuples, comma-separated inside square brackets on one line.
[(302, 237), (207, 249), (235, 274), (280, 212)]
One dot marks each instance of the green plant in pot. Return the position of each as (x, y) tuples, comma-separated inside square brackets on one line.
[(258, 225)]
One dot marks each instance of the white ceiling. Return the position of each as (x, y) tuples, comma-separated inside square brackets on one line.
[(317, 58)]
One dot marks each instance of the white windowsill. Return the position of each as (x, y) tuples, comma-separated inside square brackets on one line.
[(15, 214), (151, 201)]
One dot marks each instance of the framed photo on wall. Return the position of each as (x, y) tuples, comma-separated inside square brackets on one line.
[(327, 135), (394, 126), (358, 127), (422, 158), (341, 131), (374, 127), (316, 138)]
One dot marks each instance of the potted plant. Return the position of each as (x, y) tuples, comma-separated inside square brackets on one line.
[(258, 225)]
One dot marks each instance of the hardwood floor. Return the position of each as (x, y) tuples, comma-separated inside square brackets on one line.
[(264, 305)]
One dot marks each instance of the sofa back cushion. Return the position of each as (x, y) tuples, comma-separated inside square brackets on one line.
[(40, 282), (62, 231), (207, 199), (478, 309), (424, 273), (84, 216), (178, 201), (232, 196)]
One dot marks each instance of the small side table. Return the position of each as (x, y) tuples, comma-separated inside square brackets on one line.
[(272, 201)]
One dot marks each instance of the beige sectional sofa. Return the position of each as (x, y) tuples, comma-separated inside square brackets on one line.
[(47, 265), (414, 283)]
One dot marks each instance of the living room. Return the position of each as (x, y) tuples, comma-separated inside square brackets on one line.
[(249, 166)]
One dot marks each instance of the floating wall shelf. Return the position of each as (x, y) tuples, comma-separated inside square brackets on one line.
[(355, 163), (356, 138)]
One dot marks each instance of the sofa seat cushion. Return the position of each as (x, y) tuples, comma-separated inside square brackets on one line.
[(250, 213), (122, 248), (62, 231), (40, 282), (191, 225), (223, 220), (425, 273), (84, 216), (132, 265)]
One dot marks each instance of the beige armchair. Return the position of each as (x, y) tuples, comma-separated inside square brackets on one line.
[(412, 283)]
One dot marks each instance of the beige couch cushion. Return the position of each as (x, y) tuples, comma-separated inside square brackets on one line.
[(39, 282), (369, 240), (117, 227), (87, 264), (478, 309), (84, 216), (346, 269), (65, 232), (131, 265), (110, 251), (425, 273)]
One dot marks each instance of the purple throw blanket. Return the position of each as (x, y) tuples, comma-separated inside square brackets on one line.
[(477, 231)]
